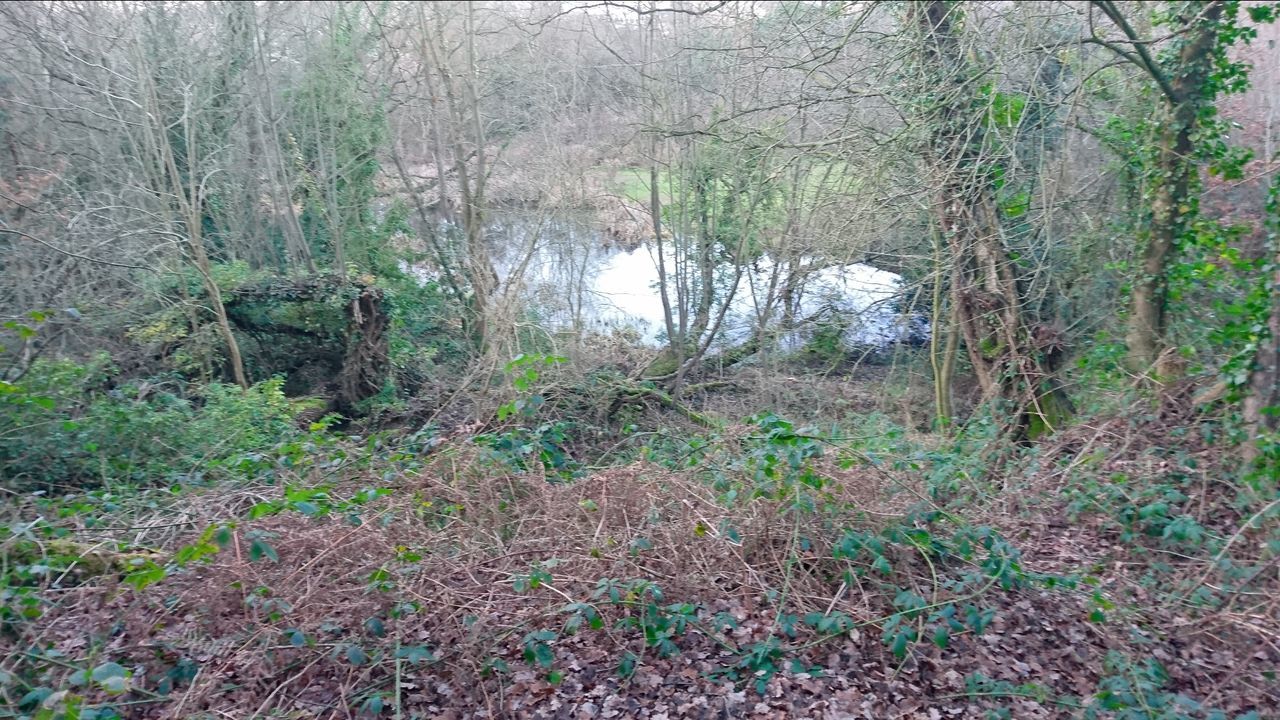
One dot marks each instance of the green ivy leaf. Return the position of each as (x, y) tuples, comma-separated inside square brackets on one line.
[(543, 655), (146, 574), (627, 666), (35, 697), (941, 636), (901, 640), (263, 509), (882, 565)]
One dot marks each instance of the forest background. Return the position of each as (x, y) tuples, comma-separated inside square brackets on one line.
[(958, 396)]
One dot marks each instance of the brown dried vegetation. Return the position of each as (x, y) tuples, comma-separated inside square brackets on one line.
[(419, 603)]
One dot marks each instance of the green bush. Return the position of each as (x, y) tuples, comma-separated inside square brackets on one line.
[(63, 425), (826, 346)]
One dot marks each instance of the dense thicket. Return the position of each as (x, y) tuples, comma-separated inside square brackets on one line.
[(425, 268)]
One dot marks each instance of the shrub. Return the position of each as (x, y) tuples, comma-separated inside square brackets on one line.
[(64, 425)]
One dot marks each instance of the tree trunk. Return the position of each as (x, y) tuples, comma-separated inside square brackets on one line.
[(201, 259), (367, 364), (467, 128), (1262, 400), (942, 355), (185, 188), (1172, 205), (984, 288), (673, 357)]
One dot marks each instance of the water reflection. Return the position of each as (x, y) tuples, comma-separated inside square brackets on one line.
[(572, 278)]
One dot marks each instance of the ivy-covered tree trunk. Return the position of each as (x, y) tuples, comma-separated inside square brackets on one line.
[(1261, 406), (1173, 185), (1008, 360)]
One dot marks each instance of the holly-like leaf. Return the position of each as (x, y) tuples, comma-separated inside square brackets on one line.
[(356, 655), (416, 654), (260, 549)]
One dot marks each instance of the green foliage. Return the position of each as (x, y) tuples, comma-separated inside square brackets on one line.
[(778, 463), (335, 147), (56, 686), (65, 425), (1141, 508), (760, 661), (1246, 330), (1135, 690), (423, 337), (1129, 690), (724, 198), (825, 347), (545, 442), (1206, 277)]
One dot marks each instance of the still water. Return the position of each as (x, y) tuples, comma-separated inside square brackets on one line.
[(573, 278)]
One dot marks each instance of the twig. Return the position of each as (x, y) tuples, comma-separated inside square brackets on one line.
[(267, 702)]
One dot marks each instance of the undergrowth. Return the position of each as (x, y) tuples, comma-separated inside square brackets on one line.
[(754, 552), (65, 426)]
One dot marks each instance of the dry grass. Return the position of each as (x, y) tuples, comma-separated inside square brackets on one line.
[(443, 563), (469, 532)]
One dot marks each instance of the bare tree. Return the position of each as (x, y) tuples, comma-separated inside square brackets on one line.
[(1009, 358)]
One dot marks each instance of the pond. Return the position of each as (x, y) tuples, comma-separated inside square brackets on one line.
[(574, 278)]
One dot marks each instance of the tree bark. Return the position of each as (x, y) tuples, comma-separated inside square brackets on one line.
[(190, 201), (1261, 405), (1172, 205), (984, 287), (367, 364), (675, 335), (466, 121), (942, 355)]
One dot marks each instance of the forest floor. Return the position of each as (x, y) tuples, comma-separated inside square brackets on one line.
[(637, 592)]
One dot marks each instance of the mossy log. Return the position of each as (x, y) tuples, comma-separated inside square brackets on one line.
[(359, 333), (633, 393), (665, 366)]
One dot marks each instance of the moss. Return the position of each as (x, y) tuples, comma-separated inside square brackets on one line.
[(1051, 412), (663, 365), (990, 349), (85, 561)]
